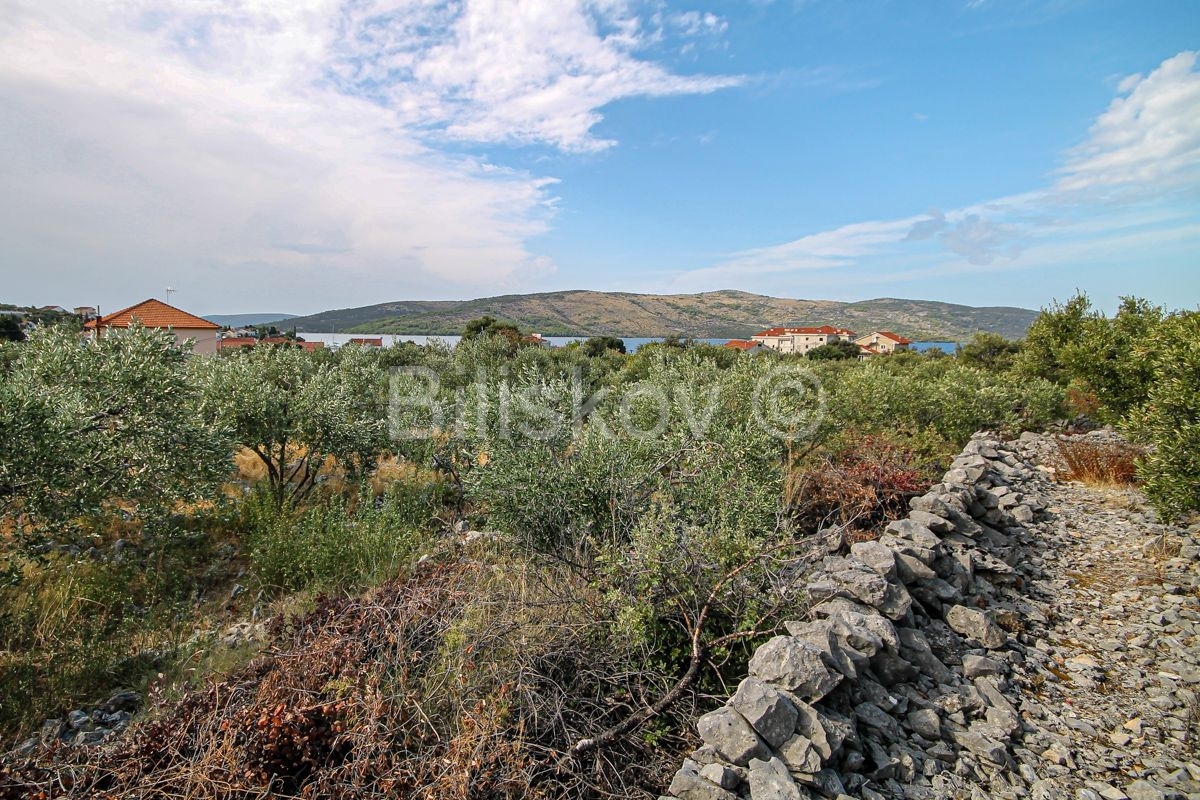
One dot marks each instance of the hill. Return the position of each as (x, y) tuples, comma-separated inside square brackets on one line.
[(241, 320), (719, 314)]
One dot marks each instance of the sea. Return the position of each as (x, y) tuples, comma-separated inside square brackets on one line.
[(632, 343)]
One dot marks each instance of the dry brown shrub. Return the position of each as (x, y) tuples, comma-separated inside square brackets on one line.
[(467, 680), (858, 486), (1100, 463)]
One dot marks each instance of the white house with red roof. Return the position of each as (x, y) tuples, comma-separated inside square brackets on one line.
[(801, 340), (157, 314), (881, 343)]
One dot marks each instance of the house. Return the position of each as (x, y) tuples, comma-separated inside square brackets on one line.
[(745, 346), (801, 340), (881, 343), (236, 341), (368, 341), (536, 339), (284, 341), (157, 314), (87, 312), (55, 309)]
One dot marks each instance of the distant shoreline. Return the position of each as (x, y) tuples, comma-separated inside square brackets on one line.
[(632, 343)]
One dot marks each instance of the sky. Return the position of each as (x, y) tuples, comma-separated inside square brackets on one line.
[(295, 156)]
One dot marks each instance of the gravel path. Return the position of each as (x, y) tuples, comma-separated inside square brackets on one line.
[(1110, 688)]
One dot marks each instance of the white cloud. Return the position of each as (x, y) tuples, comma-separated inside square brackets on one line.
[(1148, 138), (501, 71), (827, 250), (261, 143)]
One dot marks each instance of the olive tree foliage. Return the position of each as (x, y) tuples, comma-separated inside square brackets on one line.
[(989, 351), (662, 486), (1170, 417), (1074, 344), (835, 351), (294, 410), (88, 423)]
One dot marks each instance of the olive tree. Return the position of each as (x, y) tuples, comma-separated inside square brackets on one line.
[(85, 423), (1170, 418), (1104, 357), (294, 410)]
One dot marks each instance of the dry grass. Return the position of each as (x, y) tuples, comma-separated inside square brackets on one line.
[(388, 471), (1100, 463), (466, 680)]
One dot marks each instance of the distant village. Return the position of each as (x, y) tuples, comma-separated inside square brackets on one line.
[(805, 340), (209, 337)]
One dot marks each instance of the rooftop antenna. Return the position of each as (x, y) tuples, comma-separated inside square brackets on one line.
[(170, 291)]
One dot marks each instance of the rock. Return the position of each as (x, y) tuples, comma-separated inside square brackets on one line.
[(794, 665), (896, 602), (810, 725), (1144, 790), (769, 780), (771, 714), (876, 718), (834, 646), (731, 735), (689, 785), (935, 522), (878, 557), (981, 745), (975, 624), (800, 755), (721, 775), (914, 647), (910, 569), (853, 578), (975, 666), (925, 722)]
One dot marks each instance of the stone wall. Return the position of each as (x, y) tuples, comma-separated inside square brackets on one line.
[(895, 685)]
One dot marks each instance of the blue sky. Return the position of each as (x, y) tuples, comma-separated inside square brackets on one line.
[(267, 156)]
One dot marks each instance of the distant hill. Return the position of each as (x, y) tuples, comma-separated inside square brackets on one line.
[(241, 320), (722, 314)]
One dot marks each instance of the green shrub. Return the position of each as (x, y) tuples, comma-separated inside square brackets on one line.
[(337, 542), (1170, 419)]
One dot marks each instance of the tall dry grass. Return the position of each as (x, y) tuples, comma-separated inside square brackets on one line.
[(1100, 463)]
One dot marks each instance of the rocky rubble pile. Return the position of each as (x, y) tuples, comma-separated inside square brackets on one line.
[(953, 658), (87, 726)]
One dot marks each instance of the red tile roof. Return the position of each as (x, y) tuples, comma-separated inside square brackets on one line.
[(237, 341), (741, 344), (282, 341), (368, 341), (895, 337), (153, 314)]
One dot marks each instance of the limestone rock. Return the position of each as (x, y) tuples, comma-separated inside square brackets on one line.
[(878, 557), (796, 666), (769, 780), (731, 735), (689, 785), (771, 714), (977, 625)]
